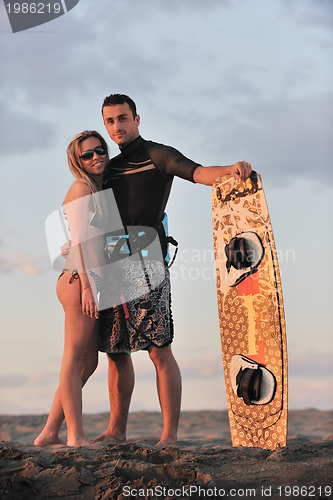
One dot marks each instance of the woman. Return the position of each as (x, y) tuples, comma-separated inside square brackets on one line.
[(78, 286)]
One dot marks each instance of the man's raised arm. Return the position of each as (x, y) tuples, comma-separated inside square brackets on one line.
[(206, 175)]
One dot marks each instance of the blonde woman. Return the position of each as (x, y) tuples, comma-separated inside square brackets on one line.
[(78, 286)]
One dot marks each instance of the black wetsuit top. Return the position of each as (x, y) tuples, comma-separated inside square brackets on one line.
[(141, 199)]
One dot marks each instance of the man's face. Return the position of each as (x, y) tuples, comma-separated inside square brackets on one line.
[(120, 124)]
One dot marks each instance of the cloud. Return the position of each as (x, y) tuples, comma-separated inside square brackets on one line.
[(22, 132), (130, 44), (11, 260), (310, 384), (314, 13), (208, 366), (97, 49), (174, 6), (317, 366), (35, 379), (283, 138), (14, 380), (205, 367), (305, 392), (311, 365), (203, 89)]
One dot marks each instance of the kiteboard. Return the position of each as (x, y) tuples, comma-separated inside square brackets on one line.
[(251, 314)]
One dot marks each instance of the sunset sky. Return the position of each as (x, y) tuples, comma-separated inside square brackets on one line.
[(220, 80)]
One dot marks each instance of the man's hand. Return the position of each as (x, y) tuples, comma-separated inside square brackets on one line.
[(206, 175), (241, 170), (66, 248)]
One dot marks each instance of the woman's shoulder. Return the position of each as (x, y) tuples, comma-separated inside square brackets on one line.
[(77, 190)]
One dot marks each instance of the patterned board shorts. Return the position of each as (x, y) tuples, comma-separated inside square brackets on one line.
[(150, 318)]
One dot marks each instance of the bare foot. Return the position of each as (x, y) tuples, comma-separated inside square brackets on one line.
[(47, 440), (109, 438), (167, 442), (79, 442)]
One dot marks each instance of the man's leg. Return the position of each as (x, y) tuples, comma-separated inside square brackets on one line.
[(121, 384), (169, 388)]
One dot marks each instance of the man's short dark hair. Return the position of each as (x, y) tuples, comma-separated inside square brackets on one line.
[(114, 99)]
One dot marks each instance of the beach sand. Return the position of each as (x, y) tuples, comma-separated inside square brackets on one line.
[(202, 465)]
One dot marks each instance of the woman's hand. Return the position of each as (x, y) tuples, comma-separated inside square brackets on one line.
[(89, 300), (65, 249)]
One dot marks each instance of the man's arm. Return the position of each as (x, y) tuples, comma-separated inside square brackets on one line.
[(207, 175)]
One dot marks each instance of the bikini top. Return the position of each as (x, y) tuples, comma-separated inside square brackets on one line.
[(96, 220)]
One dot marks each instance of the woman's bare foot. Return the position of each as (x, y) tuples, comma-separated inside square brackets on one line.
[(45, 439)]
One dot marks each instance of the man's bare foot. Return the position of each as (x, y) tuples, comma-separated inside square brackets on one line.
[(110, 438), (79, 442), (167, 442), (47, 440)]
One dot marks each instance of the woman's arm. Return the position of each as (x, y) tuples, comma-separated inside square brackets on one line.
[(77, 204)]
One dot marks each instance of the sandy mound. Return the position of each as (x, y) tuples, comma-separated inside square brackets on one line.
[(202, 465)]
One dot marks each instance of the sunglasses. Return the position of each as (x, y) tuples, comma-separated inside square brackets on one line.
[(87, 155)]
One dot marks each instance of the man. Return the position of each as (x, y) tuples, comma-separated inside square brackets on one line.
[(141, 178)]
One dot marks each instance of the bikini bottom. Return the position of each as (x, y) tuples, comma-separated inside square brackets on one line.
[(75, 276)]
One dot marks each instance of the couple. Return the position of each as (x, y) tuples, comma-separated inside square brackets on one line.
[(140, 177)]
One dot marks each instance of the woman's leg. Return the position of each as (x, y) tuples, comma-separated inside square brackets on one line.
[(49, 434), (79, 362)]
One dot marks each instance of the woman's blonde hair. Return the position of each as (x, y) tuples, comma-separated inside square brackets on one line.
[(76, 165)]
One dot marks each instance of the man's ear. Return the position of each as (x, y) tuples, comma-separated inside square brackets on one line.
[(137, 120)]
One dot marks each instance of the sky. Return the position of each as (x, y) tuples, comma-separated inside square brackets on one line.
[(220, 80)]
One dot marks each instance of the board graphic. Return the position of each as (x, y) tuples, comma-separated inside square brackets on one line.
[(251, 313)]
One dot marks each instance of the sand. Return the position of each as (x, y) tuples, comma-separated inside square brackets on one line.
[(202, 465)]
